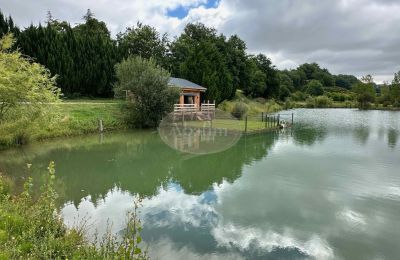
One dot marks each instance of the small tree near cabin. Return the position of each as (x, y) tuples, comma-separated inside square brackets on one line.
[(148, 84)]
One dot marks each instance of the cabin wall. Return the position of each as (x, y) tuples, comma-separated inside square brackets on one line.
[(196, 97)]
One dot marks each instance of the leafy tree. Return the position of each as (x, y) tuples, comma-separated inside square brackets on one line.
[(237, 61), (83, 56), (314, 71), (314, 88), (395, 90), (7, 25), (148, 84), (256, 79), (345, 81), (286, 85), (271, 76), (365, 91), (199, 55), (25, 88), (144, 41)]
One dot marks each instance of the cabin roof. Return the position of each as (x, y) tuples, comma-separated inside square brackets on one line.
[(183, 83)]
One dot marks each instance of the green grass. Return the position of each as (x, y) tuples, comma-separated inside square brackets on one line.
[(71, 118), (82, 118)]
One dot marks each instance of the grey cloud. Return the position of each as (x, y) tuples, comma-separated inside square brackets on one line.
[(346, 36)]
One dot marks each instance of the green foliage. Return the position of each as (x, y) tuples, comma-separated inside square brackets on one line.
[(298, 96), (345, 81), (314, 88), (83, 56), (365, 92), (199, 55), (143, 41), (31, 228), (319, 102), (312, 71), (253, 106), (239, 110), (7, 25), (148, 84), (26, 90)]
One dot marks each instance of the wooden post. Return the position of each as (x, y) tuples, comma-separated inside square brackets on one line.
[(266, 122), (292, 118), (101, 128), (262, 116), (245, 125)]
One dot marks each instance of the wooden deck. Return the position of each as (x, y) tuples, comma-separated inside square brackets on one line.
[(191, 112)]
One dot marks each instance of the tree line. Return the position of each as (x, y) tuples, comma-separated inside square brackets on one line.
[(84, 55)]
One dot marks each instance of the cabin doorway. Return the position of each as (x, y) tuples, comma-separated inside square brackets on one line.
[(188, 100)]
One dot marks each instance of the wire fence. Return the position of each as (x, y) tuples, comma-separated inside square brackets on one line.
[(264, 121)]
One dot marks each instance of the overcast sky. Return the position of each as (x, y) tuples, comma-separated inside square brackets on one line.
[(346, 36)]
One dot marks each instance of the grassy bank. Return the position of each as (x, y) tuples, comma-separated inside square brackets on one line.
[(70, 118), (31, 228), (242, 105)]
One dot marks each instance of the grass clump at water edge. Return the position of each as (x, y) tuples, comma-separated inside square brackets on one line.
[(31, 228)]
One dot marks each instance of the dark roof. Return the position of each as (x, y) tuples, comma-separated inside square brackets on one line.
[(183, 83)]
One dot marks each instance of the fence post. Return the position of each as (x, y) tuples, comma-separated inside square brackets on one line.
[(266, 122), (292, 118), (101, 128), (245, 125), (262, 116)]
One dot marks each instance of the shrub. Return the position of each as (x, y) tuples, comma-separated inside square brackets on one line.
[(288, 104), (298, 96), (310, 102), (323, 102), (25, 89), (239, 110), (151, 96)]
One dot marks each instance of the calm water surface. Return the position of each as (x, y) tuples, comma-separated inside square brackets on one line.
[(327, 189)]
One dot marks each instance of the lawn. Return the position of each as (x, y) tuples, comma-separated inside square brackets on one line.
[(75, 117)]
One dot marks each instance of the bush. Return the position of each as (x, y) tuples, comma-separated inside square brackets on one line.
[(239, 110), (288, 104), (26, 88), (298, 96), (310, 102), (323, 102), (151, 96)]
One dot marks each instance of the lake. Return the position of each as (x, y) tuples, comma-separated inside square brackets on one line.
[(329, 188)]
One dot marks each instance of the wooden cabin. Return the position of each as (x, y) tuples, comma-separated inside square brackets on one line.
[(191, 93)]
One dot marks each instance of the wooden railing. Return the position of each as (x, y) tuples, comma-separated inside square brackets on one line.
[(185, 108), (207, 107)]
